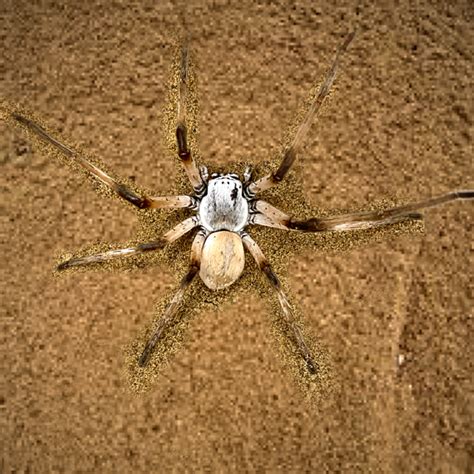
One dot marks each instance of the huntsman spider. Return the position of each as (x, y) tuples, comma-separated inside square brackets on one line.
[(225, 205)]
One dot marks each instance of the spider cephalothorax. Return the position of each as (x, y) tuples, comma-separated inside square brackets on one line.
[(224, 206)]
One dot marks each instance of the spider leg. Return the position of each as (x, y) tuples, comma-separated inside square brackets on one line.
[(263, 213), (170, 236), (123, 191), (289, 155), (184, 152), (273, 217), (262, 219), (173, 306), (265, 267), (173, 202)]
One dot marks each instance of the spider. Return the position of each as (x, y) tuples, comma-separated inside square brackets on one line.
[(225, 205)]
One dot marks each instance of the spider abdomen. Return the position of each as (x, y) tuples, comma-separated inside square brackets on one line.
[(222, 260)]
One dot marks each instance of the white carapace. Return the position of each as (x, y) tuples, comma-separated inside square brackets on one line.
[(223, 212)]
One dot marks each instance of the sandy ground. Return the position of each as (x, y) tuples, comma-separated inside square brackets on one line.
[(392, 314)]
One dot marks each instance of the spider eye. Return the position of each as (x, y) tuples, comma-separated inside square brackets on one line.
[(234, 175), (214, 175)]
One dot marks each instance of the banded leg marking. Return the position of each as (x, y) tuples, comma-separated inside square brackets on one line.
[(289, 155), (123, 191), (173, 306), (369, 219), (272, 217), (170, 236), (266, 268), (184, 152)]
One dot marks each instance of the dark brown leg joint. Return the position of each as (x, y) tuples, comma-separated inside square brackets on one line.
[(183, 151), (130, 196), (321, 225), (188, 278), (157, 244), (267, 269), (311, 225)]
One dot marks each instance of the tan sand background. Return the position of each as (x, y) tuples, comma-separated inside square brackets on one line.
[(399, 123)]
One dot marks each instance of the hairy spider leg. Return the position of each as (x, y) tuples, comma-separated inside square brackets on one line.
[(266, 268), (173, 306), (289, 155), (175, 233), (270, 216), (142, 202), (184, 153)]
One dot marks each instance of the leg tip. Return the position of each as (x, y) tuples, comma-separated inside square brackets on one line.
[(416, 216), (143, 361), (310, 366), (63, 266), (20, 118)]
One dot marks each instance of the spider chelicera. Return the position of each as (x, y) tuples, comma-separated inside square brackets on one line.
[(225, 205)]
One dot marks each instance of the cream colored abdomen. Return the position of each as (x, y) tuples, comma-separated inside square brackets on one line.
[(222, 259)]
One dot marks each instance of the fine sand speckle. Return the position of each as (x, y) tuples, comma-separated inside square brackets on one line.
[(387, 312)]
